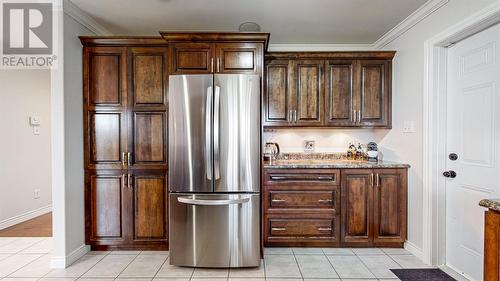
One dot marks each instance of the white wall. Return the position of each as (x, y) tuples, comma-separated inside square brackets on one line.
[(408, 72), (73, 132), (24, 157)]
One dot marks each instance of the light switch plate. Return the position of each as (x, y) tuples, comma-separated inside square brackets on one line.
[(34, 120), (309, 146)]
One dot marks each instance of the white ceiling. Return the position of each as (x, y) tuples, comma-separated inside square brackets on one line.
[(288, 21)]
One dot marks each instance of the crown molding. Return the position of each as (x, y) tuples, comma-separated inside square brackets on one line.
[(83, 18), (319, 47), (420, 14)]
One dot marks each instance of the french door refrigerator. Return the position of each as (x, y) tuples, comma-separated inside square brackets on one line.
[(214, 170)]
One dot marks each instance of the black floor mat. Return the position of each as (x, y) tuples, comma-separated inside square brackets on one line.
[(422, 274)]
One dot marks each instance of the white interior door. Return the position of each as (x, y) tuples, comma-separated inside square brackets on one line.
[(473, 133)]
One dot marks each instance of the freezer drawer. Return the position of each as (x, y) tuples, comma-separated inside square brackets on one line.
[(214, 230)]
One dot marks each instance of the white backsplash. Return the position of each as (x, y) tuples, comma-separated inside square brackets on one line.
[(326, 140)]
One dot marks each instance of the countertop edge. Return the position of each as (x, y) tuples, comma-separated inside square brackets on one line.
[(383, 165), (492, 204)]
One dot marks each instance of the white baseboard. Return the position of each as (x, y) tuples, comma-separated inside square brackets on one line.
[(65, 261), (412, 248), (24, 217)]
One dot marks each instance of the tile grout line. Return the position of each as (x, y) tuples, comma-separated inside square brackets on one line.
[(327, 259), (168, 257), (8, 276), (297, 263), (126, 267), (79, 277)]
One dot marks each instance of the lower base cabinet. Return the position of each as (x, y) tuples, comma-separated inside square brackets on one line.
[(335, 208), (126, 209)]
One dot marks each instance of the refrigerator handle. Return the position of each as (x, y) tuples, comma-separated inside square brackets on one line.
[(208, 130), (212, 202), (216, 133)]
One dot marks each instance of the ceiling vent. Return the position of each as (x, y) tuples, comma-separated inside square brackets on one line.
[(249, 27)]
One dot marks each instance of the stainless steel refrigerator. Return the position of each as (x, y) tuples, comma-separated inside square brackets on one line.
[(214, 170)]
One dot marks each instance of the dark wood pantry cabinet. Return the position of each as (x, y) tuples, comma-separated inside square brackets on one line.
[(125, 119), (328, 89)]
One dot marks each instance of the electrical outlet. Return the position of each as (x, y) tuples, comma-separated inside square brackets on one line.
[(36, 194), (408, 127), (36, 130), (309, 146)]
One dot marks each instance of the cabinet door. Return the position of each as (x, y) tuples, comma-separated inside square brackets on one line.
[(149, 206), (374, 97), (105, 107), (357, 217), (307, 86), (389, 206), (340, 79), (277, 104), (106, 208), (192, 58), (239, 57), (148, 106)]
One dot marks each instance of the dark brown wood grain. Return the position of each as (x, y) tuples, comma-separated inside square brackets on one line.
[(356, 205), (339, 107), (491, 246), (125, 145), (258, 37), (309, 88), (389, 204), (276, 99), (101, 41), (150, 206), (192, 58), (328, 90), (238, 57)]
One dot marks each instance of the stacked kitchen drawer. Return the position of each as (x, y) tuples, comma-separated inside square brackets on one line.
[(301, 207)]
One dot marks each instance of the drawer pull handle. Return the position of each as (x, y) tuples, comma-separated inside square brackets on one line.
[(302, 178), (324, 228), (325, 201), (278, 228), (278, 200)]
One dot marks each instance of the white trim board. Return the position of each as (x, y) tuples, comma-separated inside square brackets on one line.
[(65, 261), (84, 19), (420, 14), (434, 191), (25, 216)]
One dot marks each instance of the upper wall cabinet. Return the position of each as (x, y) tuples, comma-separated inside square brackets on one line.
[(337, 90), (205, 53)]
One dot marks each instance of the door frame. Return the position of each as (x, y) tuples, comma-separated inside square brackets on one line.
[(434, 128)]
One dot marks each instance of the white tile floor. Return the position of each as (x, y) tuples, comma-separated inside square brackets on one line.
[(27, 259)]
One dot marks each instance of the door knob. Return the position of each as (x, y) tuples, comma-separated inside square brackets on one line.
[(450, 174), (453, 156)]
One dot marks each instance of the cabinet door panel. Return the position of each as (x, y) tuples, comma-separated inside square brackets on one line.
[(238, 57), (106, 207), (276, 94), (104, 72), (149, 76), (149, 139), (106, 140), (356, 205), (374, 102), (188, 58), (309, 92), (339, 93), (390, 206), (150, 206)]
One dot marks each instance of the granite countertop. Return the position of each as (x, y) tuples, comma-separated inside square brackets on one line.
[(332, 164), (493, 204), (326, 160)]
